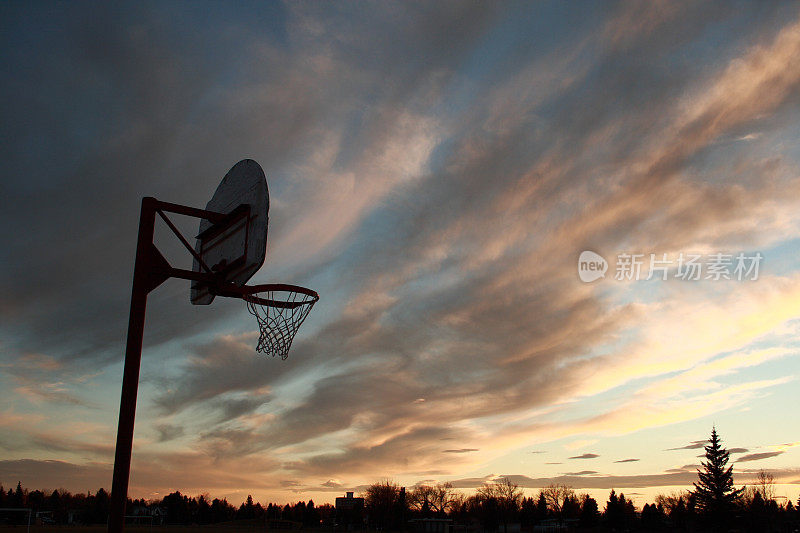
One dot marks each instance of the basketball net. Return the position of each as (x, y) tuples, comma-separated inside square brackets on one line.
[(280, 314)]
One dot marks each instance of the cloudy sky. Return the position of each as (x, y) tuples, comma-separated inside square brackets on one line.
[(435, 171)]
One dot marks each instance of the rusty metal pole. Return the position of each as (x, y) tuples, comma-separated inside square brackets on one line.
[(142, 285), (150, 271)]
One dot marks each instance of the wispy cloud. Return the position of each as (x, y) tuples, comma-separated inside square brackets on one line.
[(462, 450), (691, 446), (167, 432), (757, 456), (434, 169), (585, 456)]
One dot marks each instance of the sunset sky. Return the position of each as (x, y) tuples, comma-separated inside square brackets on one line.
[(435, 171)]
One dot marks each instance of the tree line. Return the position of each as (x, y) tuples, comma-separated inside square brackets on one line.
[(715, 504), (63, 507)]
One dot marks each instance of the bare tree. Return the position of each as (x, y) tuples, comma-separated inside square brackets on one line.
[(509, 494), (556, 496), (385, 502), (420, 498), (765, 484), (436, 498), (443, 497), (487, 491), (506, 495), (672, 501)]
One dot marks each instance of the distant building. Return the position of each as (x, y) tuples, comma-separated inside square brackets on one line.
[(350, 512), (348, 502)]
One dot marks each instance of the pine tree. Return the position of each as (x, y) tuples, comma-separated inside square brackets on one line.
[(715, 494), (541, 507), (589, 512), (614, 511)]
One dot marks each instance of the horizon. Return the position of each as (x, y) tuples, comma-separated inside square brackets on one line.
[(639, 499), (502, 207)]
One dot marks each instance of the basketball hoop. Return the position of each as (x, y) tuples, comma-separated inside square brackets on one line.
[(280, 309), (231, 246)]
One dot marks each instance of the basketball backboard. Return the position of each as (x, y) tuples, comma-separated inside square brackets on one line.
[(235, 247), (230, 248)]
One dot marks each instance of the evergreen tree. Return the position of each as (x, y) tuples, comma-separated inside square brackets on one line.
[(619, 510), (19, 495), (298, 511), (99, 511), (571, 508), (528, 512), (247, 510), (613, 512), (541, 507), (715, 496), (589, 512), (311, 517), (652, 517), (203, 509)]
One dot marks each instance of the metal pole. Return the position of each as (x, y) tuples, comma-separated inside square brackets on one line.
[(142, 284)]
